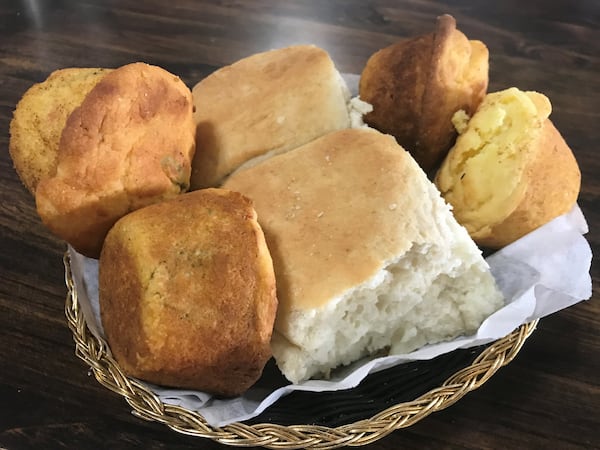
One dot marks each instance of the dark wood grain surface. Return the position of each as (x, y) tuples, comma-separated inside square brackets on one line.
[(549, 397)]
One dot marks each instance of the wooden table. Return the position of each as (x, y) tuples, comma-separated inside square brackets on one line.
[(549, 397)]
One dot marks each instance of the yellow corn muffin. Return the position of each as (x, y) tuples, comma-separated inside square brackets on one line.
[(40, 117), (417, 84), (187, 293), (510, 170), (129, 144)]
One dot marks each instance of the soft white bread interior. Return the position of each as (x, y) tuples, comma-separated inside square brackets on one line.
[(367, 255), (266, 103)]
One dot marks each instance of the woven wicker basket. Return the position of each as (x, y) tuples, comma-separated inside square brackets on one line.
[(147, 405)]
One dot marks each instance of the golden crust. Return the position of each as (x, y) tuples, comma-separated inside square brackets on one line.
[(303, 197), (267, 103), (40, 117), (510, 171), (128, 145), (187, 293), (416, 85), (552, 182)]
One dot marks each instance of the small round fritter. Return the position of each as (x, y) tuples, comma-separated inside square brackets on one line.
[(187, 293), (40, 117), (128, 145)]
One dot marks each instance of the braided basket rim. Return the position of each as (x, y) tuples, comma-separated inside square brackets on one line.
[(146, 405)]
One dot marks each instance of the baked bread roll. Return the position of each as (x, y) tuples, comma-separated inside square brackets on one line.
[(367, 255), (187, 293), (416, 85), (129, 144), (40, 117), (262, 105), (510, 170)]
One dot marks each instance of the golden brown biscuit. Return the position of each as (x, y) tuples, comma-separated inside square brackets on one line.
[(128, 145), (510, 170), (416, 85), (40, 117), (187, 293)]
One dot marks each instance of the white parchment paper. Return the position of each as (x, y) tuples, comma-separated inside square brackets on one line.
[(544, 272)]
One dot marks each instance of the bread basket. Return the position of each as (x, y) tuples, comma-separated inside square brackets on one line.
[(146, 405)]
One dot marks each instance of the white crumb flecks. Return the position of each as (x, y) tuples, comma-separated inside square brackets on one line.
[(357, 109)]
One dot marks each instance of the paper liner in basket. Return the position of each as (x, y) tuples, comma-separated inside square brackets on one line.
[(543, 272)]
